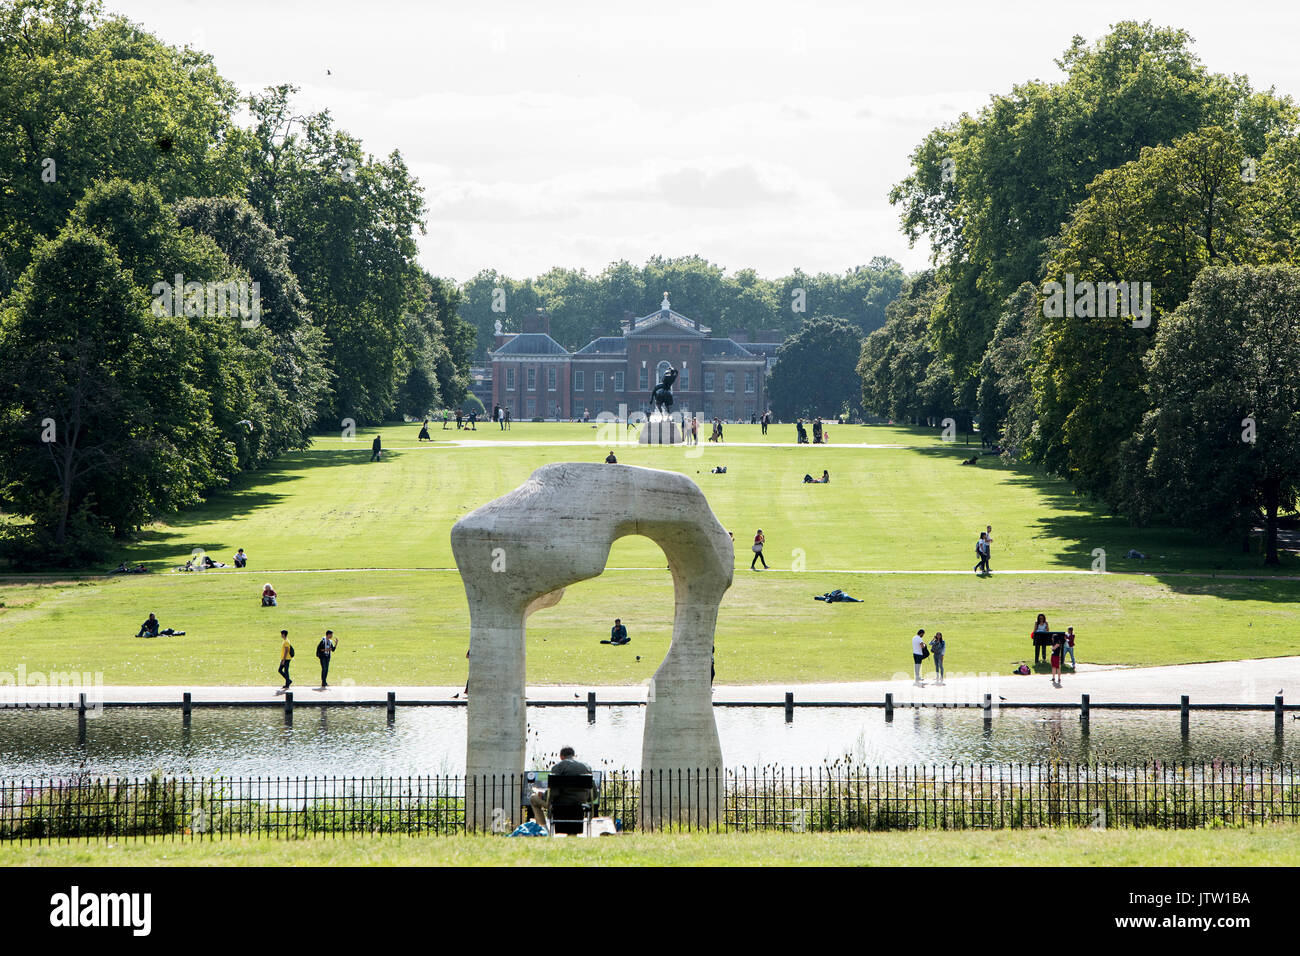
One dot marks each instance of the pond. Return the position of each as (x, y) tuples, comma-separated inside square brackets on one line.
[(359, 741)]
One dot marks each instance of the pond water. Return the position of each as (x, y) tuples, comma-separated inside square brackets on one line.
[(359, 741)]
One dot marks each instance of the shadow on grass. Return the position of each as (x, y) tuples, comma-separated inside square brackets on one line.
[(1090, 538), (246, 494)]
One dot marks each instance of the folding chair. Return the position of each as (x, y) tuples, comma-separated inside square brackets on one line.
[(567, 815)]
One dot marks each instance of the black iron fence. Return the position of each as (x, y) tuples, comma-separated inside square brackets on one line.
[(954, 797)]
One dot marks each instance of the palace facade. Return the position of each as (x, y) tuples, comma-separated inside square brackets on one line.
[(536, 377)]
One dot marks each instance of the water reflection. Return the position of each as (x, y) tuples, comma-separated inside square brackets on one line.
[(361, 741)]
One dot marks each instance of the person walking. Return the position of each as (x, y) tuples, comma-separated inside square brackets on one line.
[(1069, 647), (324, 650), (695, 430), (979, 555), (424, 432), (918, 655), (376, 450), (757, 548), (286, 658), (988, 547), (937, 646), (767, 420)]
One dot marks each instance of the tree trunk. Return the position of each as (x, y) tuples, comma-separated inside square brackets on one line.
[(1271, 489)]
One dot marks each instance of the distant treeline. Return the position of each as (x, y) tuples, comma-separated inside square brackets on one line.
[(583, 307)]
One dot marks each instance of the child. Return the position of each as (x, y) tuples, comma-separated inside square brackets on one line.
[(1056, 662), (1069, 647)]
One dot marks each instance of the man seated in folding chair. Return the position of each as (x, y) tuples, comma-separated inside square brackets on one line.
[(569, 796)]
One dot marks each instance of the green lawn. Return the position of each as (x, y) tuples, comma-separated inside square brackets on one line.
[(1264, 846), (331, 513)]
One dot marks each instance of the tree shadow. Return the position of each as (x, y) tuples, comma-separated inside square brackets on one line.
[(246, 494), (1091, 538)]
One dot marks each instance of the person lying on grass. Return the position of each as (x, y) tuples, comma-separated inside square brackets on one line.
[(833, 597)]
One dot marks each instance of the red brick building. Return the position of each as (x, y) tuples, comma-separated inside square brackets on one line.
[(536, 377)]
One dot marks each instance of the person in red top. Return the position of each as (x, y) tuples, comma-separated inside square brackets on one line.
[(1056, 661), (758, 551)]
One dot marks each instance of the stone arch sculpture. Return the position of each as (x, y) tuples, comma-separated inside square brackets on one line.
[(516, 554)]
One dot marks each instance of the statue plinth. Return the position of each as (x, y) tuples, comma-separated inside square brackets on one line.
[(662, 432)]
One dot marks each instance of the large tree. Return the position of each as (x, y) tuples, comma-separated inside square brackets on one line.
[(86, 98), (1219, 448), (816, 371), (990, 191)]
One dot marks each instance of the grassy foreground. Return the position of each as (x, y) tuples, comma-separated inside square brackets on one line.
[(1266, 846), (364, 548)]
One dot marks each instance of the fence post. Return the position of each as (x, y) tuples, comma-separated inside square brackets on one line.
[(789, 707), (889, 707), (185, 709), (988, 711), (81, 718), (591, 706), (1085, 708), (392, 706), (288, 706), (1185, 714), (1277, 714)]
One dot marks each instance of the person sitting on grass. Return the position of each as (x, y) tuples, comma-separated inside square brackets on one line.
[(241, 559), (823, 480), (618, 634), (268, 596), (208, 563), (150, 628), (610, 459)]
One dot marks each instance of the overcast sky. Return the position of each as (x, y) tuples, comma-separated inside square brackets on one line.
[(755, 134)]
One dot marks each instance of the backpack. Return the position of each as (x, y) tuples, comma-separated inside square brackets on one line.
[(1022, 670), (925, 650), (290, 650)]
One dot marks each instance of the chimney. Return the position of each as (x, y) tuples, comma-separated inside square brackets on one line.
[(537, 322)]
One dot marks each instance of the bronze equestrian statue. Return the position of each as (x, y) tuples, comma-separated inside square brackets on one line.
[(662, 396)]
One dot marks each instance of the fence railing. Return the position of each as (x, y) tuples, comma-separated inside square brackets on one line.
[(952, 797)]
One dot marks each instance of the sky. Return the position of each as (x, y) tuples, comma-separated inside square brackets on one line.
[(755, 134)]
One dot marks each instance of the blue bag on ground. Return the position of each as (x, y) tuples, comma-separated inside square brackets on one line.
[(531, 828)]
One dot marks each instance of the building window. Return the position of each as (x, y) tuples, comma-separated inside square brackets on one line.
[(645, 378), (532, 379), (686, 377), (750, 379), (579, 381), (532, 407), (730, 380), (600, 404), (510, 378), (550, 379), (708, 381), (598, 383), (618, 381)]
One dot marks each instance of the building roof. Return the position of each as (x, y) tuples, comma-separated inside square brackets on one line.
[(670, 318), (726, 348), (531, 343), (605, 345)]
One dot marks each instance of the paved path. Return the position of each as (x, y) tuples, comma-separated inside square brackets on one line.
[(1229, 682)]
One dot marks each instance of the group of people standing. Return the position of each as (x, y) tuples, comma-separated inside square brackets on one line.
[(936, 648), (801, 434), (1059, 642)]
